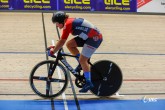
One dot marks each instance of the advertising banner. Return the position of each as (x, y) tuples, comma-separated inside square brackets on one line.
[(28, 4), (157, 6), (70, 5), (99, 5)]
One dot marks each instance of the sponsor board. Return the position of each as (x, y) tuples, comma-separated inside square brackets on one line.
[(71, 5), (157, 6), (27, 4), (99, 5)]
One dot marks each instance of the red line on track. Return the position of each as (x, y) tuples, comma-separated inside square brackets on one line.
[(5, 79)]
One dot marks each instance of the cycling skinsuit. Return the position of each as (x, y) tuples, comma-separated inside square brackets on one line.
[(88, 36)]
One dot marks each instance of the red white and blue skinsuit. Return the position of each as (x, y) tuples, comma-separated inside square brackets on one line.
[(85, 31)]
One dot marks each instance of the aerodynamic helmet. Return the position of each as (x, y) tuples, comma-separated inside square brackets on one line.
[(59, 17)]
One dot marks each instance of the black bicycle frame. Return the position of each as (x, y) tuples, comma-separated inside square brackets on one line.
[(60, 56), (67, 65)]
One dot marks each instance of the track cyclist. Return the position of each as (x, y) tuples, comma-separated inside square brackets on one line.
[(86, 35)]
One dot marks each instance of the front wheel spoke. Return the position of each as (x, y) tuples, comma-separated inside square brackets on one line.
[(48, 87), (40, 78), (50, 79), (57, 80)]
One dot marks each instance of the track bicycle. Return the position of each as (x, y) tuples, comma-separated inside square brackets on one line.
[(49, 78)]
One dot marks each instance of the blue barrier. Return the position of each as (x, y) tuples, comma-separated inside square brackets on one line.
[(158, 104)]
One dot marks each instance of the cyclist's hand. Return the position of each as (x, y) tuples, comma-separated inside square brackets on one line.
[(50, 51), (50, 47)]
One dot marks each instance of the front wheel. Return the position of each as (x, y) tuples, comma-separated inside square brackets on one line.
[(106, 77), (46, 85)]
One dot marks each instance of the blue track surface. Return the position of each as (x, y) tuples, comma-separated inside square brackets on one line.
[(84, 105)]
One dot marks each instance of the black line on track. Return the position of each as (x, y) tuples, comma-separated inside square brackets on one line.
[(45, 40), (70, 79)]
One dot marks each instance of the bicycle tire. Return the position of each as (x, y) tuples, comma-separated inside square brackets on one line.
[(48, 87), (106, 77)]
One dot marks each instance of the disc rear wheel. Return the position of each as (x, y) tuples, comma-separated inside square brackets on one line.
[(106, 77)]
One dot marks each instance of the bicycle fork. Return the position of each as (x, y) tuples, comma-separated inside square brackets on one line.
[(51, 69)]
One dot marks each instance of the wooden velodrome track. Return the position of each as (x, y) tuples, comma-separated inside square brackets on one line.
[(135, 42)]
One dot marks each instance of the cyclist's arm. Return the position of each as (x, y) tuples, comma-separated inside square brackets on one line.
[(59, 45), (66, 30)]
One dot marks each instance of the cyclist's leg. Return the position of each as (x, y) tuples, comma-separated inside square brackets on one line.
[(74, 43), (89, 48), (85, 55), (84, 64), (72, 47)]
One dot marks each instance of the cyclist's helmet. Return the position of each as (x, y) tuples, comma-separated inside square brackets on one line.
[(58, 17)]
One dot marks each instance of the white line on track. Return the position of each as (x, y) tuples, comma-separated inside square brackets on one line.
[(60, 77)]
